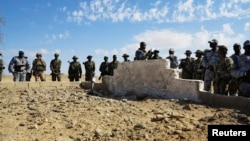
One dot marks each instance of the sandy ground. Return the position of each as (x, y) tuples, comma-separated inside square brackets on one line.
[(71, 114)]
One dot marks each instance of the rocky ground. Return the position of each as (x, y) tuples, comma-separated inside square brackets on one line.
[(71, 114)]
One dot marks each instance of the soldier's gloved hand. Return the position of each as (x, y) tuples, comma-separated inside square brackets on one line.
[(80, 76)]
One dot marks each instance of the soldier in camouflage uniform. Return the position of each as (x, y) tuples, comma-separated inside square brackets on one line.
[(90, 72), (173, 59), (235, 57), (113, 65), (242, 72), (39, 67), (198, 69), (156, 55), (19, 66), (104, 67), (222, 71), (55, 67), (89, 68), (209, 61), (125, 57), (1, 66), (187, 66), (75, 70), (141, 53)]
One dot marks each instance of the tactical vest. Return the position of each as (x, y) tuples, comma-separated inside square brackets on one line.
[(20, 64), (39, 65), (89, 66), (1, 65), (56, 64)]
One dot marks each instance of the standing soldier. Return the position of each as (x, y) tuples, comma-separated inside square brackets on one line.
[(113, 65), (173, 59), (187, 66), (141, 53), (209, 60), (235, 57), (39, 66), (55, 67), (1, 66), (156, 55), (19, 66), (242, 73), (125, 57), (90, 71), (104, 67), (198, 70), (222, 75), (75, 70)]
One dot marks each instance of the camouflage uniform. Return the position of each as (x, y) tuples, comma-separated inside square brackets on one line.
[(39, 67), (242, 73), (125, 56), (222, 72), (89, 69), (235, 57), (55, 67), (113, 65), (141, 53), (156, 55), (209, 61), (187, 66), (104, 67), (173, 59), (1, 67), (19, 66), (198, 69), (75, 70)]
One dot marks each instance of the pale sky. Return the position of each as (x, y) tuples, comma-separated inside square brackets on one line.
[(107, 27)]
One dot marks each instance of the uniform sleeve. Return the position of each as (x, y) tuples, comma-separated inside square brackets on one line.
[(11, 65), (175, 62), (28, 66)]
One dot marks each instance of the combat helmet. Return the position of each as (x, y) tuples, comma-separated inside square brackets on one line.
[(74, 57), (223, 48), (246, 44)]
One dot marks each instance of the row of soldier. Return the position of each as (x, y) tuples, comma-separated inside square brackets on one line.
[(22, 70), (227, 75)]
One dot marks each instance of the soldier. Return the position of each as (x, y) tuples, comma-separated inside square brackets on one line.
[(150, 53), (89, 68), (209, 60), (242, 72), (222, 75), (173, 59), (198, 70), (1, 66), (75, 70), (156, 55), (235, 57), (187, 66), (125, 57), (113, 65), (19, 66), (39, 67), (141, 53), (90, 72), (104, 67), (55, 67)]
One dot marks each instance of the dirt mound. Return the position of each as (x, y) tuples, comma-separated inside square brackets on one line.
[(69, 113)]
